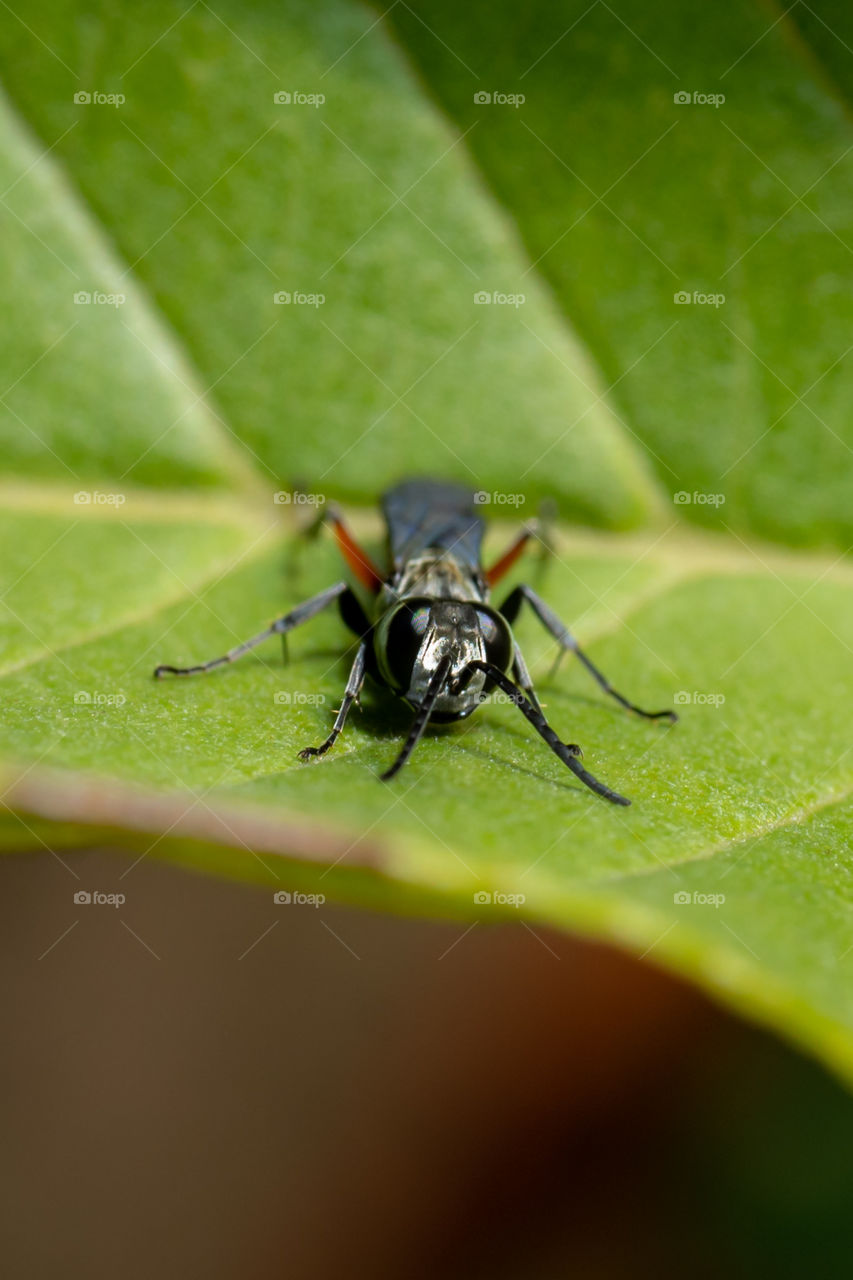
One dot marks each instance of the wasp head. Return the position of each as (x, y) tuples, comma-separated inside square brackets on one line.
[(414, 637)]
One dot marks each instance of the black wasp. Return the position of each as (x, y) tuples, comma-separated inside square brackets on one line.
[(430, 634)]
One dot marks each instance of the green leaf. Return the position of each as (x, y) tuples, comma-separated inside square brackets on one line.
[(369, 202), (750, 200), (144, 443)]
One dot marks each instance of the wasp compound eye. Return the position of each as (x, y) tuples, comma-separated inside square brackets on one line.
[(496, 638), (401, 639)]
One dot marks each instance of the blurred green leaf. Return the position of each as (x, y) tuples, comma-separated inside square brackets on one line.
[(218, 199), (627, 197)]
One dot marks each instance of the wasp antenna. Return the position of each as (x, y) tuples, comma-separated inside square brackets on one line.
[(420, 721)]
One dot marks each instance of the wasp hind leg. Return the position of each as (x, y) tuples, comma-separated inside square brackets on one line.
[(539, 529), (360, 563)]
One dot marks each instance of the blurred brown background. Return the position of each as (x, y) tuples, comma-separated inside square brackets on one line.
[(201, 1083)]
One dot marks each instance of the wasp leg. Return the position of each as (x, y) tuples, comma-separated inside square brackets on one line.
[(568, 752), (522, 676), (421, 719), (302, 613), (567, 642), (353, 553), (353, 689), (539, 529)]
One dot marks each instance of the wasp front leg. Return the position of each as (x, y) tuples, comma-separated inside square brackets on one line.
[(353, 689), (567, 642), (302, 613)]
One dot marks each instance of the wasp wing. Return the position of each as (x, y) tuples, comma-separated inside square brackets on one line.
[(433, 514)]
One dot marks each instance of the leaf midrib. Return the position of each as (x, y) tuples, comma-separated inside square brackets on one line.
[(688, 556)]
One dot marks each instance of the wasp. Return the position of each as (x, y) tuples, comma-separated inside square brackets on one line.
[(430, 634)]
